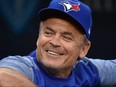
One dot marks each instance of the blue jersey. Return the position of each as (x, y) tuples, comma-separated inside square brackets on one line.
[(84, 73)]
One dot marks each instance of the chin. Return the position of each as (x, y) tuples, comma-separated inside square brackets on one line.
[(52, 66)]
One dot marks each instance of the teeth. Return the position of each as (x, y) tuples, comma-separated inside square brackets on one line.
[(53, 53)]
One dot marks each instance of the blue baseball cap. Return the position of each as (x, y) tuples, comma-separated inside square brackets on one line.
[(71, 10)]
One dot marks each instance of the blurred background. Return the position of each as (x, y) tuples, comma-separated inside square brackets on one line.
[(19, 27)]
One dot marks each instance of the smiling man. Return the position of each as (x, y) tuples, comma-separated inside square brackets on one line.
[(59, 60), (60, 45)]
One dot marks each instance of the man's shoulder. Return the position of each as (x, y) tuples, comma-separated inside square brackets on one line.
[(85, 63), (87, 71), (18, 59), (18, 62), (22, 64)]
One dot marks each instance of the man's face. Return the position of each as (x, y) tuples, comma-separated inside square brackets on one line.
[(59, 44)]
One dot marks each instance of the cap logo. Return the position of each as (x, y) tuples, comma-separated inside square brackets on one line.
[(70, 6)]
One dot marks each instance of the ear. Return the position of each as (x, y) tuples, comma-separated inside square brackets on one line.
[(84, 50)]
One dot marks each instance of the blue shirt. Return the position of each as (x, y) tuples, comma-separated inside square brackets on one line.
[(84, 74)]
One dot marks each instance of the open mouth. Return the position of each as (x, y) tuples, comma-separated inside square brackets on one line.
[(54, 53)]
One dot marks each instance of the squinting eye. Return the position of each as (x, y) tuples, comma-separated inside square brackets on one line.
[(48, 33), (67, 38)]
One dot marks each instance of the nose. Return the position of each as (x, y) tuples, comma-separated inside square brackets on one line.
[(55, 41)]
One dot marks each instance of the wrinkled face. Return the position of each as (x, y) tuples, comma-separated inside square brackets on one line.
[(59, 44)]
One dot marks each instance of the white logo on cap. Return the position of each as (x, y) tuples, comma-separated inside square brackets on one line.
[(68, 6)]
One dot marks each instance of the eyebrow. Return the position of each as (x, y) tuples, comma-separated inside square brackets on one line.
[(48, 28), (68, 33), (64, 33)]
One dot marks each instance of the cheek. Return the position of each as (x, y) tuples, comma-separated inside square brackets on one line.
[(72, 47), (41, 40), (40, 43), (72, 54), (73, 50)]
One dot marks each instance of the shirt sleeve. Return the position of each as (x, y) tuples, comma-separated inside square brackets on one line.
[(107, 72), (20, 64)]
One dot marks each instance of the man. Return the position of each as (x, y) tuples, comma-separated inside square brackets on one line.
[(59, 60)]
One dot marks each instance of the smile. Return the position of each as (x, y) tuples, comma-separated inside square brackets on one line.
[(54, 53)]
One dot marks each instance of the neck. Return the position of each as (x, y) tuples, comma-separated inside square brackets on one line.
[(58, 73)]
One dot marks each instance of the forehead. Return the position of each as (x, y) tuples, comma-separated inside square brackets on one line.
[(64, 21), (61, 26)]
